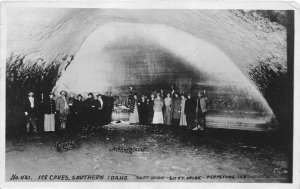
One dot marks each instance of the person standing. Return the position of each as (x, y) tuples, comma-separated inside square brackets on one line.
[(49, 111), (201, 110), (157, 108), (90, 108), (176, 109), (182, 114), (134, 114), (99, 104), (150, 104), (30, 112), (143, 110), (168, 110), (39, 112), (130, 96), (71, 120), (79, 109), (190, 112), (62, 107), (109, 107)]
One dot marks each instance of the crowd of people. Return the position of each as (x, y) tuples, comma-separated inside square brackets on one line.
[(67, 112), (171, 109)]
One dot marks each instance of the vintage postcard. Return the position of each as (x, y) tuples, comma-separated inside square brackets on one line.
[(153, 94)]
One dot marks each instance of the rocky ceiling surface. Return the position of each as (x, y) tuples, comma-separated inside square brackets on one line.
[(55, 33)]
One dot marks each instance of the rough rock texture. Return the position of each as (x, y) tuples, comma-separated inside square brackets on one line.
[(55, 33)]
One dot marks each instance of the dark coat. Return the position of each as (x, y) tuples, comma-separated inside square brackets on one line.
[(49, 106), (79, 107), (99, 111), (143, 112), (89, 103), (27, 107), (190, 106), (90, 110), (150, 104), (176, 108), (98, 105), (143, 106)]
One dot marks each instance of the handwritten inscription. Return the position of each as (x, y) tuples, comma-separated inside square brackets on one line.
[(129, 150), (21, 177), (123, 177)]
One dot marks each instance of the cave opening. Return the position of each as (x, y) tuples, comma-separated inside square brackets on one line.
[(119, 55)]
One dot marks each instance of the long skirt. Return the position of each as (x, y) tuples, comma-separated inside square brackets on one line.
[(182, 119), (49, 123), (175, 122), (143, 117), (158, 118), (150, 116), (134, 117), (167, 116), (190, 119)]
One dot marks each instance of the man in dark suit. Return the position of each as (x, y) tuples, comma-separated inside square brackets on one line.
[(201, 110), (30, 112), (79, 108), (90, 109)]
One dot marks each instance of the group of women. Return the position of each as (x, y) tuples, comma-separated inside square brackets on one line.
[(173, 109)]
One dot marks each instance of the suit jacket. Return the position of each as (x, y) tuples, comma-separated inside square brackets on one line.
[(27, 106), (98, 104), (190, 106), (60, 104), (49, 106)]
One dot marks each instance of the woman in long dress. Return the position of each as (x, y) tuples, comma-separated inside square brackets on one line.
[(168, 110), (190, 112), (158, 115), (182, 114), (49, 110), (134, 114), (176, 109), (143, 110)]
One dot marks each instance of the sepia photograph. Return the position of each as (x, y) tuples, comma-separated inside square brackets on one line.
[(148, 95)]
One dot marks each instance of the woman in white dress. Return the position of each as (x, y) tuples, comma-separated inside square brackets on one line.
[(134, 114), (157, 107), (182, 114)]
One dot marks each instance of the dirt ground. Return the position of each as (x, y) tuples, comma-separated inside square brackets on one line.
[(121, 152)]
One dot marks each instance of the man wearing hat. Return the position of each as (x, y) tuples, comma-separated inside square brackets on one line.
[(79, 107), (30, 112), (201, 110), (90, 109), (62, 108)]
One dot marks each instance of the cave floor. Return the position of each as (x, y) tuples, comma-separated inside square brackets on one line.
[(174, 154)]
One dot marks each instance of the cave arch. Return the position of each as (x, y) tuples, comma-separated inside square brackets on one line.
[(141, 45)]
